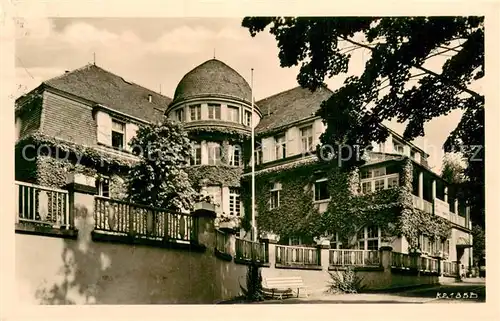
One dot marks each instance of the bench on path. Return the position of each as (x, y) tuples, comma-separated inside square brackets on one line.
[(283, 287)]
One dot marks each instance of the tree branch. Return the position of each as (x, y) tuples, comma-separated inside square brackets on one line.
[(430, 72)]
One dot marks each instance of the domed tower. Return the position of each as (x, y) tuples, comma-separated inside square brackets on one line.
[(214, 103)]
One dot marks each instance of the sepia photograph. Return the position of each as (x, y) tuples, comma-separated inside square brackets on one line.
[(252, 160)]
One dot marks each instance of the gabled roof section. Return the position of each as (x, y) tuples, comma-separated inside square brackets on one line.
[(103, 87), (289, 107)]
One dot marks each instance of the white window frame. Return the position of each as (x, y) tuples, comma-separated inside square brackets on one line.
[(298, 240), (321, 180), (306, 141), (233, 160), (280, 146), (234, 202), (214, 110), (99, 184), (365, 238), (194, 160), (395, 147), (230, 113), (122, 132), (375, 175), (276, 189), (179, 115), (197, 112), (335, 243), (247, 120), (212, 159)]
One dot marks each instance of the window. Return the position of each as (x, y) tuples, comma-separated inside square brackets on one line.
[(275, 196), (117, 134), (294, 240), (196, 155), (321, 190), (258, 156), (233, 114), (234, 202), (179, 114), (446, 248), (366, 187), (102, 186), (306, 135), (379, 185), (393, 182), (248, 118), (195, 112), (377, 172), (398, 147), (214, 111), (280, 146), (412, 153), (214, 154), (369, 238), (366, 174), (234, 155)]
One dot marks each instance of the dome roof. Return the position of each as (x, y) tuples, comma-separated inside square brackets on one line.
[(213, 77)]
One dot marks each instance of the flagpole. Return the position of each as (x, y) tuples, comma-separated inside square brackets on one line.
[(254, 230)]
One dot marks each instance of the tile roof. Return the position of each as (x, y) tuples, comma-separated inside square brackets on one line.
[(213, 77), (290, 106), (103, 87)]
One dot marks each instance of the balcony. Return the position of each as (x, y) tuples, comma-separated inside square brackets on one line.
[(440, 208)]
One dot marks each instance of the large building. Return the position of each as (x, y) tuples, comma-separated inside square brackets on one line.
[(94, 113)]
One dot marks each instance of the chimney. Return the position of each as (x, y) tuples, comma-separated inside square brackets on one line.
[(150, 98)]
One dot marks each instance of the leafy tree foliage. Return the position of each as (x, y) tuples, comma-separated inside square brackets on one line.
[(396, 82), (159, 178), (453, 169)]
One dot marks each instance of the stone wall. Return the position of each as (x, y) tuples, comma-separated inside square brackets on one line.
[(61, 268)]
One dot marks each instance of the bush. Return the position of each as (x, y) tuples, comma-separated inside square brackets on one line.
[(345, 281), (254, 284)]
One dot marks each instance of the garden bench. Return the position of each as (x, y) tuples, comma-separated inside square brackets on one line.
[(280, 287)]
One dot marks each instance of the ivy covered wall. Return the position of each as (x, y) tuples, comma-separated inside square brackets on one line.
[(391, 209)]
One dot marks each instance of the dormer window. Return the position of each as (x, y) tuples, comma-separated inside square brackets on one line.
[(195, 112), (306, 134), (118, 134), (398, 148), (280, 146), (214, 111)]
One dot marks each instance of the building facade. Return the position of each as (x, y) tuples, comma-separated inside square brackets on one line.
[(93, 114)]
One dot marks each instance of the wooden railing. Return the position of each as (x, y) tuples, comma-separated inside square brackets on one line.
[(400, 260), (296, 255), (251, 251), (450, 268), (354, 258), (221, 242), (42, 205), (123, 218), (429, 264)]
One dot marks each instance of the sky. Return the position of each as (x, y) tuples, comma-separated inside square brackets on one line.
[(157, 52)]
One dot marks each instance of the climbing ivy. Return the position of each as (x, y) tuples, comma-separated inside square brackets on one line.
[(348, 210), (215, 175)]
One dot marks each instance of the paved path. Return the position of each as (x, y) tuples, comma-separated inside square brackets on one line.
[(473, 289)]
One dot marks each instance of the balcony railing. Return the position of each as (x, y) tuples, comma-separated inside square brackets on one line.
[(251, 251), (440, 208), (297, 255), (400, 260), (42, 205), (429, 264), (123, 218), (221, 242), (354, 258)]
